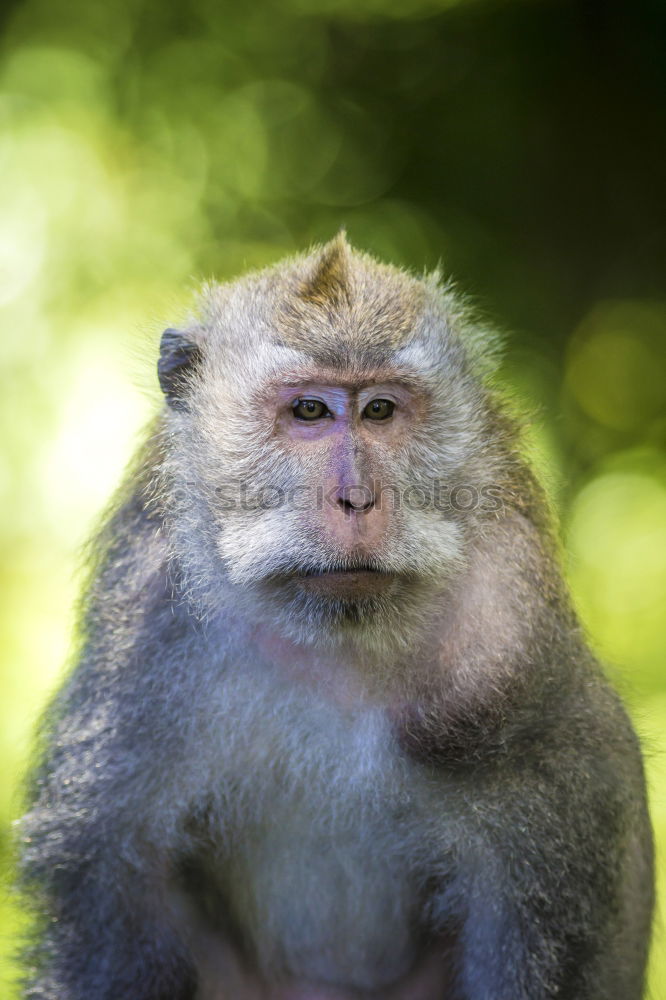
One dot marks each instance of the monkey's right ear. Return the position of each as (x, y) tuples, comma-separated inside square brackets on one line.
[(178, 357)]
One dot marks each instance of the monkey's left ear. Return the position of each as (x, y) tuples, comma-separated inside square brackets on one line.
[(178, 357)]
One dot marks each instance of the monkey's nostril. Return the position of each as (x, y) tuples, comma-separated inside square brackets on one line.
[(358, 502)]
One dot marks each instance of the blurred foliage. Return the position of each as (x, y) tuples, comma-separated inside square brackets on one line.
[(145, 144)]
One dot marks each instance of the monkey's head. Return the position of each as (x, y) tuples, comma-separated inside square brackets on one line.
[(328, 444)]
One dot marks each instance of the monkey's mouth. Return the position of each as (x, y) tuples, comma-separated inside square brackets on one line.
[(348, 581)]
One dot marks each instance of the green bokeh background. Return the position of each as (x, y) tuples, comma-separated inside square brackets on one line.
[(147, 144)]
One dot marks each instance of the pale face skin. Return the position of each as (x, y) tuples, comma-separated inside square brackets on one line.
[(344, 424)]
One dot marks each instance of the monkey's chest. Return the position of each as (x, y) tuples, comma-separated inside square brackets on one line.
[(318, 868), (325, 903)]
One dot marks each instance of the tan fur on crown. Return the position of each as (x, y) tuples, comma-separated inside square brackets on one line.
[(346, 303)]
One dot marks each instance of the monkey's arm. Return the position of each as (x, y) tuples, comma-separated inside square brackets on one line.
[(554, 885), (94, 867), (557, 887)]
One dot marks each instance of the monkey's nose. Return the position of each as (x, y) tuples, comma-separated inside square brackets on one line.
[(356, 500)]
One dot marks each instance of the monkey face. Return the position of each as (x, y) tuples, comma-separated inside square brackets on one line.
[(311, 489)]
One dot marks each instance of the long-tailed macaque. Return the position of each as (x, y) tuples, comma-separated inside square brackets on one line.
[(334, 731)]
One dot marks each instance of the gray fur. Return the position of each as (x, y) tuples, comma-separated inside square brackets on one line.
[(243, 788)]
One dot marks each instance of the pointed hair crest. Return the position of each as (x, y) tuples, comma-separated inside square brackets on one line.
[(329, 284)]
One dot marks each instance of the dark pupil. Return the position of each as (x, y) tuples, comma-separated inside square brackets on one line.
[(309, 409), (379, 409)]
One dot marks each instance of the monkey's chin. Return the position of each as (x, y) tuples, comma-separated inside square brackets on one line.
[(378, 611)]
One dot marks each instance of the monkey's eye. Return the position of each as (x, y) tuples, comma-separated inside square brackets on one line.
[(310, 409), (379, 409)]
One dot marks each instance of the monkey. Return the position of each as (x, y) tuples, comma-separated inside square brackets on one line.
[(334, 730)]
